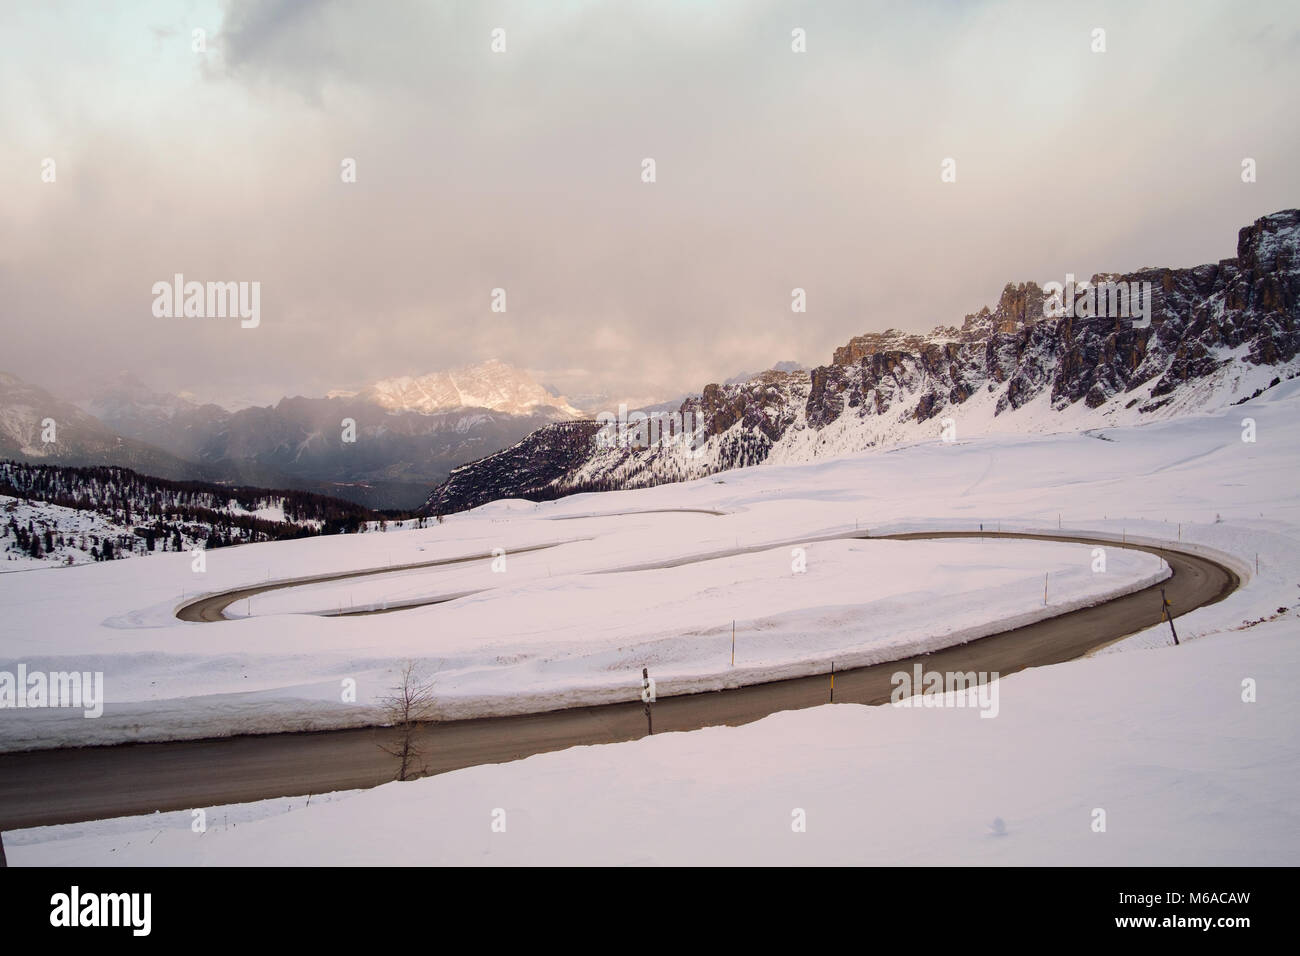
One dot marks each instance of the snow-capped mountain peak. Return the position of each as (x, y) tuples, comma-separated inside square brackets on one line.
[(493, 385)]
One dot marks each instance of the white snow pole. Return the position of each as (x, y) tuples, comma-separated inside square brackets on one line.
[(648, 697)]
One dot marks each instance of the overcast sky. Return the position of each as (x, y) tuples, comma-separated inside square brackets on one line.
[(522, 170)]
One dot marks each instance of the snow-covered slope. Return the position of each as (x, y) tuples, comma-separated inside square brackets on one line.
[(543, 628), (67, 516), (1188, 766)]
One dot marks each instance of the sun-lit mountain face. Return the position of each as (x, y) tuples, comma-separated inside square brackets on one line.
[(493, 385)]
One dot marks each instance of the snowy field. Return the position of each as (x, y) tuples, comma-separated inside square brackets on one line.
[(553, 628), (1185, 772), (1186, 769), (573, 620)]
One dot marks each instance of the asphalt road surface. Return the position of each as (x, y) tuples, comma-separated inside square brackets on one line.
[(76, 784)]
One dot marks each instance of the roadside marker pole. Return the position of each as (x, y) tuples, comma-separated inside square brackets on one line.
[(1167, 614), (647, 695), (733, 643), (1045, 589), (832, 682)]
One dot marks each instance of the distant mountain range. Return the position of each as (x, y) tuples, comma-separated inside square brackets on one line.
[(1214, 335), (80, 438), (1217, 334), (409, 432)]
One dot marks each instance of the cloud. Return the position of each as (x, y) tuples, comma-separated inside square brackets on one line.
[(521, 171)]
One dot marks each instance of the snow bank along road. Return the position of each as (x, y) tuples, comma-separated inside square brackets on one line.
[(212, 608), (63, 786)]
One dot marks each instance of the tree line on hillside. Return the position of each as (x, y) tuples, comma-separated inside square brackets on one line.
[(161, 509)]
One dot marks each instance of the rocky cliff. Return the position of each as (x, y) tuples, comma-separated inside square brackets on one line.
[(1208, 336)]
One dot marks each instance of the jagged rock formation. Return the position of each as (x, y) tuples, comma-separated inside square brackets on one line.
[(1218, 333)]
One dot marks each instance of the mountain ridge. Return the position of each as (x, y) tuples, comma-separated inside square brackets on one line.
[(1218, 333)]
